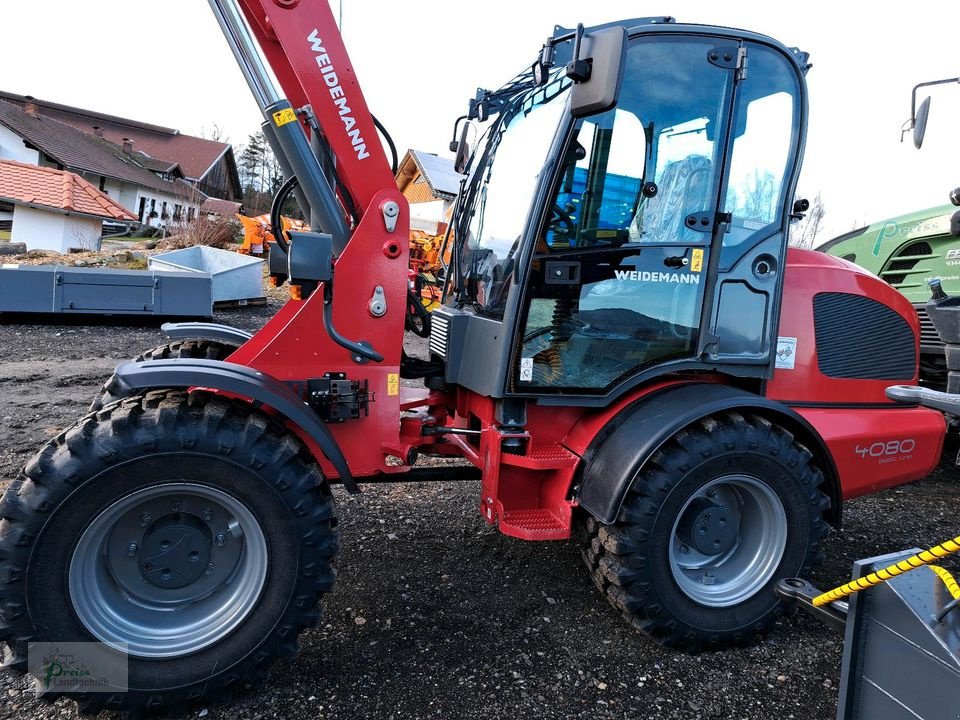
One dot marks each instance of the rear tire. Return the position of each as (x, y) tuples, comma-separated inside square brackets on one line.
[(721, 512), (82, 530), (194, 349)]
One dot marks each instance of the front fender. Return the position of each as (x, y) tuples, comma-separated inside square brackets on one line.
[(132, 377), (205, 331)]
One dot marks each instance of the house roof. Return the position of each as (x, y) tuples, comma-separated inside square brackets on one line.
[(195, 156), (78, 151), (163, 166), (224, 208), (443, 180), (56, 189)]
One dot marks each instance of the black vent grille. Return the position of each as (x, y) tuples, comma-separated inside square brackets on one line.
[(859, 338), (928, 333), (903, 263)]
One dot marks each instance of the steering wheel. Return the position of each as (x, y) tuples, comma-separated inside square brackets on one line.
[(564, 217)]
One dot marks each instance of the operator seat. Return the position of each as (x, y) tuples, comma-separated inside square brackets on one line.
[(684, 189)]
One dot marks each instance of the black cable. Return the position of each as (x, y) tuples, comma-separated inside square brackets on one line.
[(416, 310), (276, 211), (393, 148)]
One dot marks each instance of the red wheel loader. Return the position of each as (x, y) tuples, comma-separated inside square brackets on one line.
[(627, 355)]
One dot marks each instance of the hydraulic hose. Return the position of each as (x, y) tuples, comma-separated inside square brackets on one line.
[(276, 212), (395, 159), (911, 563)]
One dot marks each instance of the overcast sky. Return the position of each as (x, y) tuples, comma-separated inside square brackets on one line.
[(166, 62)]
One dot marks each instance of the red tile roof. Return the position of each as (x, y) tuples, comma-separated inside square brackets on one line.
[(196, 156), (58, 189), (224, 208), (78, 151)]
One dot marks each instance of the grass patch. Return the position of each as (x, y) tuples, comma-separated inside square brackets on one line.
[(5, 235)]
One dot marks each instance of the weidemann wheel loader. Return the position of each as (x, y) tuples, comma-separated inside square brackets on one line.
[(628, 355)]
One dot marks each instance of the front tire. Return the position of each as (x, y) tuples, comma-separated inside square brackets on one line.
[(192, 349), (161, 502), (722, 511)]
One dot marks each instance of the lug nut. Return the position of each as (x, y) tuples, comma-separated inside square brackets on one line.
[(176, 506), (221, 540), (209, 569), (145, 519), (207, 514), (132, 549)]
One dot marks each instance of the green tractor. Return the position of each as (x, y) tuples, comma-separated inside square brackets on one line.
[(908, 250)]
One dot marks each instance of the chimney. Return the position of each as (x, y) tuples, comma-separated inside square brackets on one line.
[(128, 146), (98, 131), (30, 106)]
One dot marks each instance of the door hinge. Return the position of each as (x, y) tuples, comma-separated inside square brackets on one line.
[(730, 57), (707, 222)]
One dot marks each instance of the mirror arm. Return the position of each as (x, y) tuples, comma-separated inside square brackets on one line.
[(909, 125)]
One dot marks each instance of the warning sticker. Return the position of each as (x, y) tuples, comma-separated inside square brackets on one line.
[(786, 353), (282, 117), (393, 383), (526, 369), (696, 262)]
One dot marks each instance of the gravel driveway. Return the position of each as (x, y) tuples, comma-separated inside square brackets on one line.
[(437, 615)]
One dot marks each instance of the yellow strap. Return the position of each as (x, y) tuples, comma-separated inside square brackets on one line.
[(911, 563)]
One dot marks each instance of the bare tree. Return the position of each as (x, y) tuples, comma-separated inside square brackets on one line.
[(216, 133), (759, 196), (803, 233)]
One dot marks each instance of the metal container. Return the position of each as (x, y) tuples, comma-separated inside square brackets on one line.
[(235, 276)]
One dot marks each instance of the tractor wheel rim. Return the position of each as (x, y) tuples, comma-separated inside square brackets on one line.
[(168, 570), (741, 570)]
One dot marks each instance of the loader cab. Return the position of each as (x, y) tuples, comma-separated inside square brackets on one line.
[(596, 252)]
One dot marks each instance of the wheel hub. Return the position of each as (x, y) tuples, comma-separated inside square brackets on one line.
[(168, 570), (175, 551), (728, 540), (708, 527)]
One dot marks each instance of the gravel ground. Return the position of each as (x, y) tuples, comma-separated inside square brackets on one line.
[(437, 615)]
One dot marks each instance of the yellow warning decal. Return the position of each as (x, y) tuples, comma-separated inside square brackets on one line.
[(393, 383), (696, 264), (282, 117)]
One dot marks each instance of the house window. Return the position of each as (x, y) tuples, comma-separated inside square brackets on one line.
[(103, 184), (190, 214), (177, 212)]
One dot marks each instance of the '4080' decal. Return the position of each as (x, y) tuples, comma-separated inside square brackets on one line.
[(888, 451)]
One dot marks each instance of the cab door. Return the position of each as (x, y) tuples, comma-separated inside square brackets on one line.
[(651, 246)]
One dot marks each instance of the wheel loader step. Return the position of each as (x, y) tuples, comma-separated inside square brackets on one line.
[(536, 524), (544, 457)]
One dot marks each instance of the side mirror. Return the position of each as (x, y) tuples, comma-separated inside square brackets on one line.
[(920, 124), (463, 150), (597, 71)]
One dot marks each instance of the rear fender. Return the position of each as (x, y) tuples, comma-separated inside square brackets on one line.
[(132, 377), (621, 448)]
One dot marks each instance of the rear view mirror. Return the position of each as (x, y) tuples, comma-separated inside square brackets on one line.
[(603, 52), (920, 124), (463, 150)]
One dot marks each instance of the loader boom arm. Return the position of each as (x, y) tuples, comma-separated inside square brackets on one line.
[(301, 44)]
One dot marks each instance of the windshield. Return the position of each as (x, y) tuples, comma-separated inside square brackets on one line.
[(499, 193)]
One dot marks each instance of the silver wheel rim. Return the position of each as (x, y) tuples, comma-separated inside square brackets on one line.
[(168, 570), (740, 571)]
